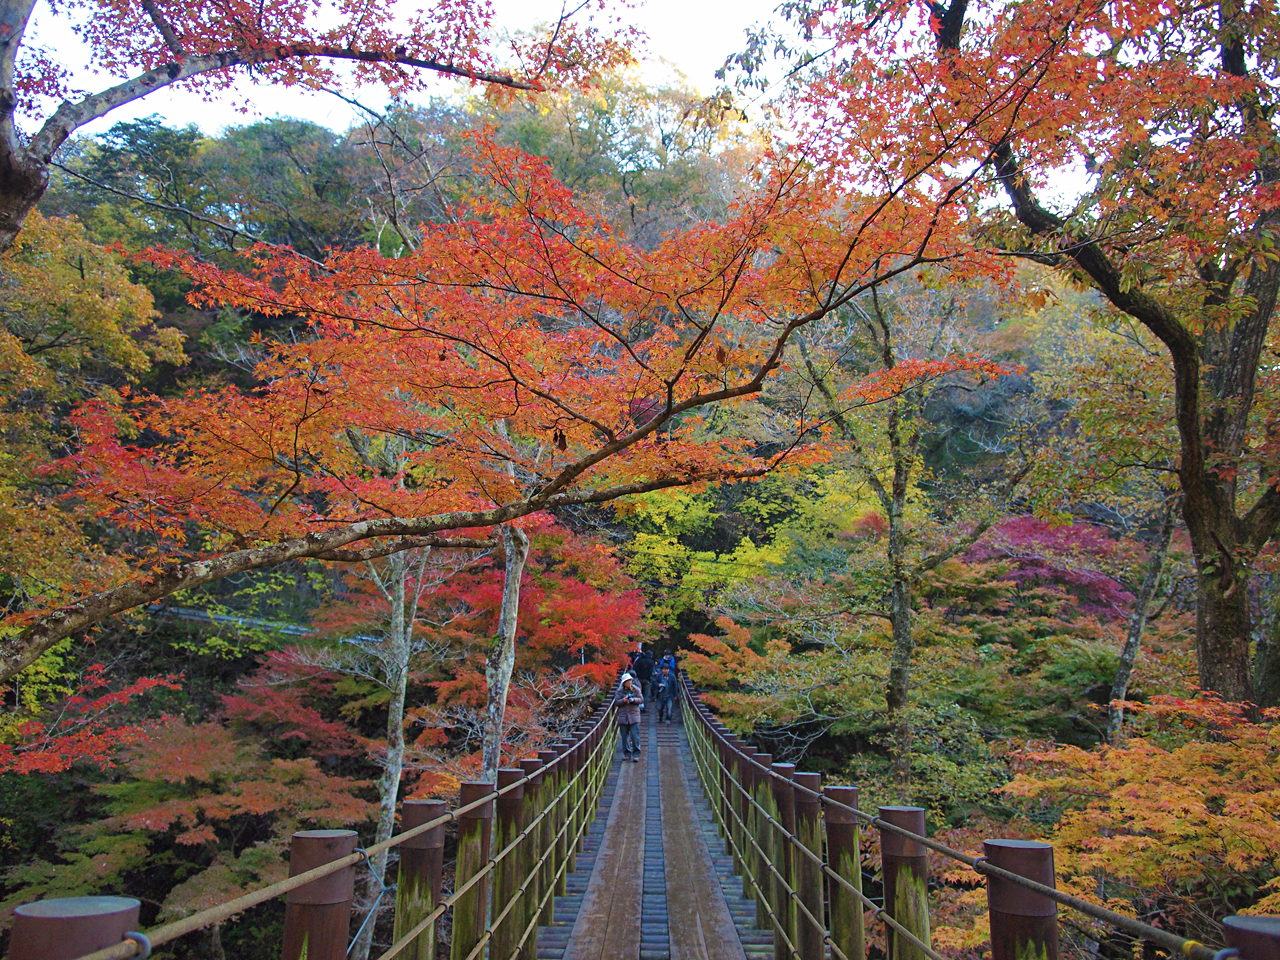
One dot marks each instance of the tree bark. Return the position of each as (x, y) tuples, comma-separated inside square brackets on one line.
[(1138, 622), (502, 652), (1266, 667)]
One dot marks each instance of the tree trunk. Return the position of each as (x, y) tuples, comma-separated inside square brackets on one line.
[(1266, 667), (502, 652), (900, 681), (22, 184), (1138, 622), (397, 671), (1224, 626)]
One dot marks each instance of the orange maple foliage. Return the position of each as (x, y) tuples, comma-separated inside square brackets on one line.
[(535, 358), (1180, 821)]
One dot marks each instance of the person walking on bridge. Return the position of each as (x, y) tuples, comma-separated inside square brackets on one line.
[(629, 701), (667, 691), (643, 668)]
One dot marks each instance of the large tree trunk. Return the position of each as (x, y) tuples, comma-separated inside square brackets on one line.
[(899, 691), (1266, 666), (502, 652), (1138, 623), (22, 184), (1224, 625)]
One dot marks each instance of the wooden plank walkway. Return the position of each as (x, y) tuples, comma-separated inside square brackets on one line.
[(651, 882)]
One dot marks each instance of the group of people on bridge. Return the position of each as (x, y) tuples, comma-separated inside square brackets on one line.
[(644, 680)]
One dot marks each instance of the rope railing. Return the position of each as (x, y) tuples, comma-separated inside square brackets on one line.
[(546, 808), (768, 816)]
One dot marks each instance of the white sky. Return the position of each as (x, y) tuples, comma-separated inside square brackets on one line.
[(694, 37)]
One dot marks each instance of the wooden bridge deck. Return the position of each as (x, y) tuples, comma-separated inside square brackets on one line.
[(652, 881)]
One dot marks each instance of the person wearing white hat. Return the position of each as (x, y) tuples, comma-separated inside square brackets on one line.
[(629, 701)]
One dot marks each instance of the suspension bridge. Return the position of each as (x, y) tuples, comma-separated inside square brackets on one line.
[(706, 850)]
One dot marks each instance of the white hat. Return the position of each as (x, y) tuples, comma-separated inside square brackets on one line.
[(626, 677)]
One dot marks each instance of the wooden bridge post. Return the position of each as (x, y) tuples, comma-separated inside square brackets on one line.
[(762, 831), (906, 881), (744, 810), (317, 915), (784, 812), (1024, 924), (1257, 938), (509, 871), (546, 836), (418, 880), (807, 871), (475, 839), (532, 850), (847, 932), (562, 778), (70, 927), (722, 781), (730, 805)]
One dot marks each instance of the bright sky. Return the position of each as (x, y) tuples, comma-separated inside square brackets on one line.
[(694, 37)]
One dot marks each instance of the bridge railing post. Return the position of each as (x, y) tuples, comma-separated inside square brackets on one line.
[(419, 877), (811, 932), (70, 927), (906, 881), (1257, 938), (761, 833), (317, 915), (546, 838), (1024, 924), (475, 839), (784, 813), (746, 777), (510, 870), (530, 876), (563, 775), (847, 930)]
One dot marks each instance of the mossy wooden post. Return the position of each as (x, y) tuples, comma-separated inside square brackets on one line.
[(1024, 924), (847, 931), (719, 759), (761, 830), (726, 785), (317, 915), (510, 870), (563, 774), (546, 835), (740, 769), (806, 872), (475, 838), (418, 881), (530, 874), (906, 881), (783, 856)]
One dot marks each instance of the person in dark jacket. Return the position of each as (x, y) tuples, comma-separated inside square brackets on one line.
[(668, 689), (643, 668), (629, 701)]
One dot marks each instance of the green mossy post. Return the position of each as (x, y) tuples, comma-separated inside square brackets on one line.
[(784, 812), (906, 881), (1024, 924), (546, 836), (475, 838), (741, 772), (847, 931), (317, 915), (507, 872), (806, 872), (533, 850), (747, 777), (563, 773), (762, 831), (418, 881)]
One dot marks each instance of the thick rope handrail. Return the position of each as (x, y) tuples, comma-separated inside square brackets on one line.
[(219, 914), (1192, 949)]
